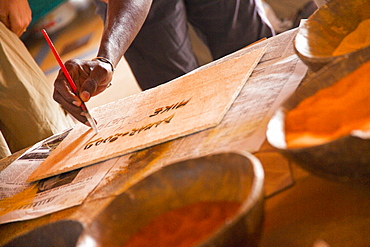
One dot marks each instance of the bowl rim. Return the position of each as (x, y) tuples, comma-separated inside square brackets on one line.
[(316, 61), (255, 195)]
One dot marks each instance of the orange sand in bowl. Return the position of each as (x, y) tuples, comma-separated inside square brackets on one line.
[(185, 226), (358, 39), (331, 112)]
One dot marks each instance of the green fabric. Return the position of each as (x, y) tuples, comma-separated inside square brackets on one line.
[(42, 7)]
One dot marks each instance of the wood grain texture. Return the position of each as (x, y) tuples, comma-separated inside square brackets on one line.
[(191, 103)]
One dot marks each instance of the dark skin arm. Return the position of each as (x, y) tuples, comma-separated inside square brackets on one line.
[(124, 20)]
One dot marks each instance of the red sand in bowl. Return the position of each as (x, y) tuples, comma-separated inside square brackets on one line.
[(185, 226)]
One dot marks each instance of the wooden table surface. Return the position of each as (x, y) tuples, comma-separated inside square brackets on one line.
[(301, 209)]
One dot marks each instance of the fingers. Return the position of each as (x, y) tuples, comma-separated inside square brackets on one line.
[(18, 26), (75, 111), (16, 15), (66, 98), (90, 78), (64, 91)]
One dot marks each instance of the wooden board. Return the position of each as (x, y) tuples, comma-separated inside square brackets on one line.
[(186, 105)]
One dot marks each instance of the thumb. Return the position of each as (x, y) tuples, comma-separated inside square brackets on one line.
[(88, 87), (85, 96)]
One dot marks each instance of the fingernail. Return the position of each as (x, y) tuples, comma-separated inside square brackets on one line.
[(87, 123), (83, 114), (85, 95), (76, 103)]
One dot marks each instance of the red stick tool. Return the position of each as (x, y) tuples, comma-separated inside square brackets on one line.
[(69, 79)]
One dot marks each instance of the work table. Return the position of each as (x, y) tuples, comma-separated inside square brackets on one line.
[(301, 209)]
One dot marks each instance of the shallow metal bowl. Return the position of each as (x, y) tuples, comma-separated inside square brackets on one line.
[(224, 176), (324, 30), (344, 159)]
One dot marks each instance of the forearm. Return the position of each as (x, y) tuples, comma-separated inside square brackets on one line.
[(123, 22)]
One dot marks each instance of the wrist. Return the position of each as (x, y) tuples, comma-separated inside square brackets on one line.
[(104, 60)]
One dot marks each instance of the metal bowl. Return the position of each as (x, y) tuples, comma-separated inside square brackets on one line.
[(344, 159), (324, 30), (224, 176)]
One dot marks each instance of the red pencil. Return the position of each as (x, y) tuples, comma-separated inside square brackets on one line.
[(69, 79)]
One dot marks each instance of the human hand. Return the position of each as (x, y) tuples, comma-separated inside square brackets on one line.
[(91, 78), (16, 15)]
